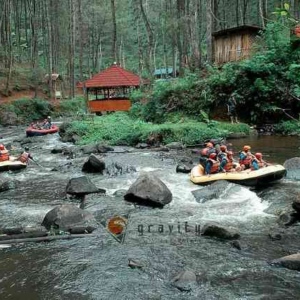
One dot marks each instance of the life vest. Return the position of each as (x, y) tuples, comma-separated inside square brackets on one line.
[(4, 155), (24, 157), (229, 164), (207, 151), (222, 155), (260, 163), (246, 161), (215, 165)]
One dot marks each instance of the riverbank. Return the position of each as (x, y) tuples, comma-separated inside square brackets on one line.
[(121, 129)]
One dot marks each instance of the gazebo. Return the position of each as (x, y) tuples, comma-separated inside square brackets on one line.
[(109, 90)]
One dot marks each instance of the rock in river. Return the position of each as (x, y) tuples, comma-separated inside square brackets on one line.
[(82, 186), (291, 262), (219, 231), (149, 190), (293, 168), (6, 184), (184, 168), (185, 281), (215, 191), (67, 216), (94, 164)]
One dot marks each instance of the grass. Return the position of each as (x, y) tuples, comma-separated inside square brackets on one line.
[(120, 129)]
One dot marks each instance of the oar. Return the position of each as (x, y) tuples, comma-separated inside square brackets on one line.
[(37, 163)]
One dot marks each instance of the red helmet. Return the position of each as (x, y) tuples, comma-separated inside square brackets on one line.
[(246, 148), (258, 155), (209, 145), (212, 155), (230, 153), (2, 147), (223, 148)]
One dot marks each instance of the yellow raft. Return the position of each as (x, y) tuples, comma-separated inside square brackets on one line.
[(11, 165), (247, 177)]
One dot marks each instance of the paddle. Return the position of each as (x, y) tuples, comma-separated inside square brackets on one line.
[(37, 163)]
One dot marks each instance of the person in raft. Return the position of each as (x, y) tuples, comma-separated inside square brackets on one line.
[(258, 162), (4, 154), (25, 156), (47, 123), (223, 158), (206, 152), (212, 164), (246, 158)]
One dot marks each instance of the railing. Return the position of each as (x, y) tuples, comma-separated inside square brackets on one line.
[(109, 105)]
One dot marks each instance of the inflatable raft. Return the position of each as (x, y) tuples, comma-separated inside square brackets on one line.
[(11, 165), (38, 132), (247, 177)]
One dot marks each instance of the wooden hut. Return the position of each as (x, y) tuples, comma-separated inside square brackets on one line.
[(109, 90), (233, 44), (57, 85)]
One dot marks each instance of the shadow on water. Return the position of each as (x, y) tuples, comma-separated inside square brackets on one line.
[(97, 267)]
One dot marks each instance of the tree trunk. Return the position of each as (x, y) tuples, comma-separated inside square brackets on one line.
[(114, 38), (72, 48), (209, 20)]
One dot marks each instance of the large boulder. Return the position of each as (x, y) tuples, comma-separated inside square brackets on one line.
[(94, 164), (149, 190), (67, 217), (81, 186), (89, 149), (293, 168), (8, 118), (184, 168), (291, 262), (219, 231), (296, 204), (220, 188)]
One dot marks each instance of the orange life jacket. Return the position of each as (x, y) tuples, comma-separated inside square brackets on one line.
[(215, 165), (246, 161), (4, 155), (229, 164), (24, 157)]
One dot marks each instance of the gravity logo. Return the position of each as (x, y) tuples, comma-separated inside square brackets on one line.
[(117, 226)]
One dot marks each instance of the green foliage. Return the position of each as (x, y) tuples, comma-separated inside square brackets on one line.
[(29, 110), (71, 107), (288, 127), (120, 129)]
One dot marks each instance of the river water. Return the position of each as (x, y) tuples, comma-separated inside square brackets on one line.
[(97, 267)]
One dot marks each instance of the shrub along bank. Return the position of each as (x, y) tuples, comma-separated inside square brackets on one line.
[(120, 129), (24, 111)]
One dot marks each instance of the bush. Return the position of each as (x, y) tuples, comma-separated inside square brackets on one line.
[(29, 110), (71, 107), (120, 129), (287, 127)]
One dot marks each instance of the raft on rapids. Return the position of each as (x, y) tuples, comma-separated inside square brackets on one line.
[(12, 165), (30, 131), (251, 178)]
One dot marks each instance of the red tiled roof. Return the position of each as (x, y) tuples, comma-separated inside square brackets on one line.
[(113, 76)]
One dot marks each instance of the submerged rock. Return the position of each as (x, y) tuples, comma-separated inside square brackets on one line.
[(115, 169), (287, 218), (219, 231), (291, 262), (215, 191), (67, 216), (185, 281), (149, 190), (82, 186), (6, 184), (296, 204), (94, 164)]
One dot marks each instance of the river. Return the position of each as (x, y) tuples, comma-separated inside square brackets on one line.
[(97, 267)]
